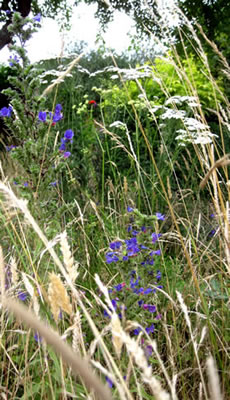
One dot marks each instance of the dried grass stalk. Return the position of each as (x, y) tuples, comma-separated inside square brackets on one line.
[(213, 380), (14, 272), (222, 162), (58, 297), (78, 365), (116, 334), (2, 272), (139, 356), (71, 267)]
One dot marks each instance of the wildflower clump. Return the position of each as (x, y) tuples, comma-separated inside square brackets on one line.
[(137, 259)]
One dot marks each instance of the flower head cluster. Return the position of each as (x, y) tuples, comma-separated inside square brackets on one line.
[(44, 116)]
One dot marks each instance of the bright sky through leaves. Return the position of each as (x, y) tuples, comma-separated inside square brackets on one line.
[(48, 41)]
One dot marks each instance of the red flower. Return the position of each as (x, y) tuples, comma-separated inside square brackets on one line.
[(92, 102)]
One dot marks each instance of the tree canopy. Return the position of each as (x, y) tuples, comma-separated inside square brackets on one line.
[(49, 8), (213, 15)]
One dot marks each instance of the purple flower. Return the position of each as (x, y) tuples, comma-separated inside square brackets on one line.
[(157, 252), (12, 59), (149, 307), (119, 287), (114, 303), (6, 112), (155, 236), (25, 184), (67, 154), (11, 147), (147, 291), (150, 261), (22, 296), (129, 209), (150, 329), (125, 258), (129, 228), (136, 331), (69, 134), (132, 246), (158, 276), (106, 314), (110, 257), (115, 245), (148, 349), (160, 216), (158, 316), (109, 381), (63, 145), (37, 17), (42, 116), (53, 183), (37, 337), (56, 117), (58, 108), (212, 232), (8, 12)]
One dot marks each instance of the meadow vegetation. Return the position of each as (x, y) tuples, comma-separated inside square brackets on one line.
[(114, 207)]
